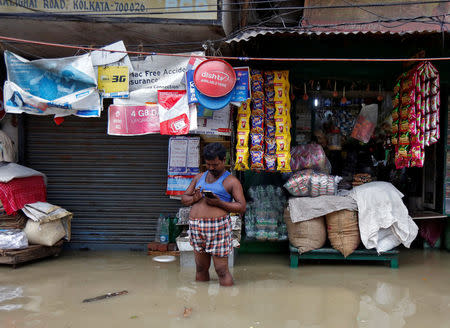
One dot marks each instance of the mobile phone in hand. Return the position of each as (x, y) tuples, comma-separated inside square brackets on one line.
[(208, 194)]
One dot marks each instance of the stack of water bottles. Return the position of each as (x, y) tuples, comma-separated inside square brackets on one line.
[(264, 215)]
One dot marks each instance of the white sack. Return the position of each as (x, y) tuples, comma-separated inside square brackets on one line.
[(306, 208), (384, 222), (12, 171)]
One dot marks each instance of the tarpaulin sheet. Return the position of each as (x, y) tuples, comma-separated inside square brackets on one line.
[(60, 87)]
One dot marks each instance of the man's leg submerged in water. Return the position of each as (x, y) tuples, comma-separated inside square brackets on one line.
[(202, 263), (221, 266)]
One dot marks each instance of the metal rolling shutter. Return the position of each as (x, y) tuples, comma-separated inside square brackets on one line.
[(115, 186)]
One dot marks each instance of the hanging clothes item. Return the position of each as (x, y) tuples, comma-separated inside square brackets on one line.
[(7, 150)]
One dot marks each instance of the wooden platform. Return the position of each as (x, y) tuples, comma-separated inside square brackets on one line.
[(332, 254), (15, 257)]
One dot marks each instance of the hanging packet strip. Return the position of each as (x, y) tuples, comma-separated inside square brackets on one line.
[(173, 112)]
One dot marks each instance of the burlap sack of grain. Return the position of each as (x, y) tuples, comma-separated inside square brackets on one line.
[(306, 235), (343, 231), (47, 234)]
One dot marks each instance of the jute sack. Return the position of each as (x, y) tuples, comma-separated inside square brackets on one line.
[(306, 235), (343, 231), (47, 234)]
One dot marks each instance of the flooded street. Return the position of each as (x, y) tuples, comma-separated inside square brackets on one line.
[(267, 293)]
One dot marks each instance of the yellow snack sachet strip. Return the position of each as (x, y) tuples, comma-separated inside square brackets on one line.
[(242, 138), (284, 162), (243, 121), (245, 107), (241, 159)]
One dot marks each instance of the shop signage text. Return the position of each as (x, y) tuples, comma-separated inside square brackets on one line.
[(162, 9)]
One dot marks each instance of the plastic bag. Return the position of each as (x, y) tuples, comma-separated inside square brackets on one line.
[(13, 239), (365, 123), (308, 183), (173, 112), (310, 156)]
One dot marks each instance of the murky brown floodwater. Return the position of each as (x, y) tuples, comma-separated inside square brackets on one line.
[(267, 293)]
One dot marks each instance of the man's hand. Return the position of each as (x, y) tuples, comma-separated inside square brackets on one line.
[(196, 196), (216, 201)]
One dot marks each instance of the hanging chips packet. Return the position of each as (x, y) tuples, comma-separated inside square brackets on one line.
[(241, 159)]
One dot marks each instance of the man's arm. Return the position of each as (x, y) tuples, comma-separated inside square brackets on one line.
[(238, 206), (192, 195)]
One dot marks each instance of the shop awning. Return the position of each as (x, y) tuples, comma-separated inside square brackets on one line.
[(332, 17)]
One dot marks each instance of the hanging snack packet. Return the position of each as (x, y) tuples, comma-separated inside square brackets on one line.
[(270, 112), (283, 162), (241, 159), (257, 124), (271, 146), (245, 108), (397, 87), (256, 86), (269, 77), (281, 125), (395, 114), (242, 138), (270, 95), (270, 129), (404, 126), (403, 139), (257, 160), (281, 77), (243, 122), (271, 162), (257, 141), (283, 143), (395, 127), (417, 156), (281, 93), (394, 139), (258, 107)]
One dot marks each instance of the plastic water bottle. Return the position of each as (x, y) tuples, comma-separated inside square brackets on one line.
[(163, 230)]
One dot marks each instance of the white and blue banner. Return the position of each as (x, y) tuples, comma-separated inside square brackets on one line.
[(60, 87)]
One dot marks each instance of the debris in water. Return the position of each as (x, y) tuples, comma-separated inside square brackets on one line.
[(102, 297), (134, 317), (187, 312)]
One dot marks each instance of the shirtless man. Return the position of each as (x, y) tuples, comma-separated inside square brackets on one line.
[(211, 196)]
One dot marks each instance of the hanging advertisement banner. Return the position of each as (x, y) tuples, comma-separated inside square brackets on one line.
[(60, 87), (133, 120), (157, 73), (218, 124), (240, 92), (214, 78), (184, 156), (183, 164), (113, 81)]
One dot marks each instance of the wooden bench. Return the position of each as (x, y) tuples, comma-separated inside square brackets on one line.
[(33, 252), (332, 254)]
